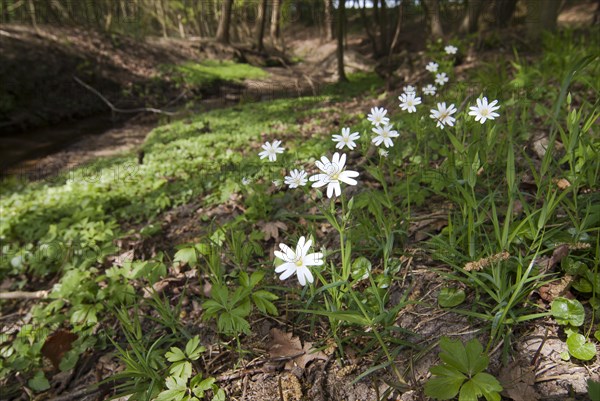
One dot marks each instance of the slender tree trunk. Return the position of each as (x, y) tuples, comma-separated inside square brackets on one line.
[(433, 14), (367, 25), (473, 10), (540, 17), (504, 10), (260, 24), (31, 10), (340, 41), (385, 34), (398, 27), (329, 19), (224, 22), (181, 28), (275, 18)]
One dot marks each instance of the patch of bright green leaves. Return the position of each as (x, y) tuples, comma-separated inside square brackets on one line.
[(462, 373)]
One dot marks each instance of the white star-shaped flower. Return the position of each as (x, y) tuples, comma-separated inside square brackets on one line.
[(297, 178), (408, 89), (441, 78), (276, 183), (271, 150), (450, 49), (429, 90), (346, 139), (385, 135), (443, 115), (432, 67), (298, 262), (484, 111), (246, 181), (332, 172), (377, 116), (409, 102), (383, 153)]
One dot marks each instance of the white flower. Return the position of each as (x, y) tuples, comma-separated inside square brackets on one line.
[(332, 173), (297, 178), (271, 150), (441, 79), (383, 153), (443, 115), (429, 90), (346, 139), (409, 101), (385, 135), (298, 262), (246, 181), (277, 183), (484, 111), (377, 116), (408, 89), (451, 49), (432, 67)]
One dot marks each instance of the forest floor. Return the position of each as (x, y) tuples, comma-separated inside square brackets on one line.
[(273, 362)]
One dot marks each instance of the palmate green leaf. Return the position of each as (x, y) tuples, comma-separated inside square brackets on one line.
[(201, 387), (445, 383), (219, 395), (181, 369), (450, 297), (262, 299), (193, 349), (568, 311), (177, 389), (579, 348), (186, 256), (454, 354), (482, 384), (478, 361), (175, 355)]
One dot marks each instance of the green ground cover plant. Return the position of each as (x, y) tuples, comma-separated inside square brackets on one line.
[(337, 211)]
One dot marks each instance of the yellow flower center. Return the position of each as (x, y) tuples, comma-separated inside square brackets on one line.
[(299, 263)]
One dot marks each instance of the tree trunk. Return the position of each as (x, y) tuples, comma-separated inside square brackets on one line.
[(31, 10), (470, 21), (383, 28), (329, 19), (540, 17), (504, 10), (398, 27), (275, 17), (340, 41), (370, 34), (260, 24), (433, 14), (224, 22)]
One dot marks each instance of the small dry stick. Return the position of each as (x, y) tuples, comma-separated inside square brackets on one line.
[(116, 109), (24, 294)]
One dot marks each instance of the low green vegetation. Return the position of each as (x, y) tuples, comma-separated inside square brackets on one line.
[(210, 72), (506, 205)]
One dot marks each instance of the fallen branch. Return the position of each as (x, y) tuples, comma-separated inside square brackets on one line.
[(116, 109), (24, 294)]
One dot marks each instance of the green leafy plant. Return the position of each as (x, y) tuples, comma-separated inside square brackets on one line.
[(570, 313), (232, 308), (462, 373), (179, 385)]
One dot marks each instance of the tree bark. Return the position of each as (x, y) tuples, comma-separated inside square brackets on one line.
[(329, 19), (370, 34), (433, 15), (540, 17), (260, 24), (275, 17), (224, 22), (340, 41), (398, 27), (470, 21), (504, 10)]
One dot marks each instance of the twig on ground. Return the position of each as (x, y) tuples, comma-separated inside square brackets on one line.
[(24, 294), (116, 109), (78, 394)]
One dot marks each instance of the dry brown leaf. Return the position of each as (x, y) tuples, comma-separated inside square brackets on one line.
[(518, 382), (555, 289), (271, 229), (57, 345), (562, 183), (286, 345)]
